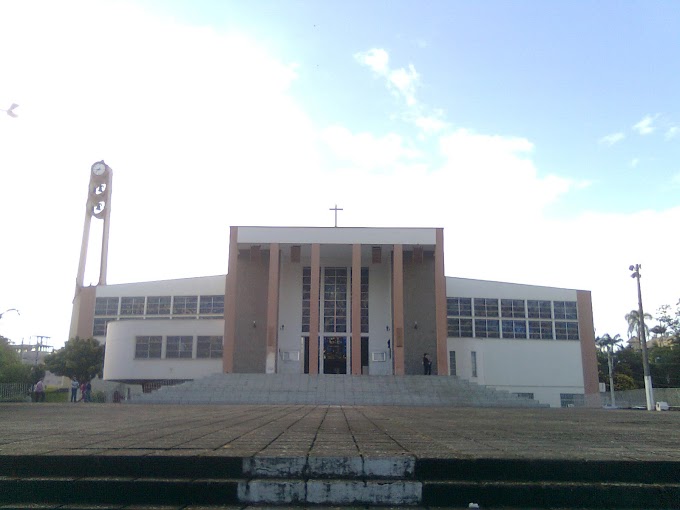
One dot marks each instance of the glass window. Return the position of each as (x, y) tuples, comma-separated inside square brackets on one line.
[(335, 300), (209, 347), (184, 305), (485, 307), (529, 396), (158, 305), (487, 328), (452, 363), (539, 309), (566, 330), (473, 360), (132, 305), (147, 347), (459, 306), (459, 328), (179, 347), (514, 329), (106, 306), (540, 330), (572, 400), (565, 310), (512, 308), (212, 304), (364, 300), (306, 292), (99, 326)]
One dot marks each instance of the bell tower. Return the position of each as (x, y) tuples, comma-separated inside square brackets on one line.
[(98, 206)]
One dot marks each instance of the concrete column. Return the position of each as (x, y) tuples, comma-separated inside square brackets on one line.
[(230, 304), (586, 331), (82, 316), (314, 311), (398, 308), (356, 309), (272, 307), (440, 303)]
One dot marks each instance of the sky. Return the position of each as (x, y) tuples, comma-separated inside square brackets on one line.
[(544, 137)]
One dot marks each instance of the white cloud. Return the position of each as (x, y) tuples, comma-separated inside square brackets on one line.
[(672, 132), (433, 123), (634, 162), (645, 127), (612, 139), (404, 82)]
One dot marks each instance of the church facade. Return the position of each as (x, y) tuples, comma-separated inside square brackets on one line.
[(345, 302)]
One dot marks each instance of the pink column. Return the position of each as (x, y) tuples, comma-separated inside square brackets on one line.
[(314, 311), (230, 304), (440, 303), (398, 308), (272, 307)]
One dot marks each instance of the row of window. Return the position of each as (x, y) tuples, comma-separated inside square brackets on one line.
[(178, 347), (494, 328), (511, 308), (159, 305)]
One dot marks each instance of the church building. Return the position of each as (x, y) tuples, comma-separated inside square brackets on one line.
[(343, 302)]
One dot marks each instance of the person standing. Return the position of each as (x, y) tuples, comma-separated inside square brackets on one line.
[(88, 392), (82, 393), (427, 364), (74, 390), (40, 391)]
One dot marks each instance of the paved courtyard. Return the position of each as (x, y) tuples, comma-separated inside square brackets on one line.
[(297, 430)]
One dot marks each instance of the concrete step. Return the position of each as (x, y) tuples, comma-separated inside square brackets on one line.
[(338, 481), (334, 390)]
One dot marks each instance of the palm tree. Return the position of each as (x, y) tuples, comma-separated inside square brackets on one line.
[(633, 320), (606, 343)]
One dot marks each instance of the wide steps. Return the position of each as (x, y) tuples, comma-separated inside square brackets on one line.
[(334, 390), (338, 481)]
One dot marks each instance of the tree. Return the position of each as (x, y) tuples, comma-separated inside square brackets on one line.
[(11, 368), (669, 323), (633, 320), (80, 358)]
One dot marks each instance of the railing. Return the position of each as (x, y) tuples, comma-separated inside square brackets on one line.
[(15, 392)]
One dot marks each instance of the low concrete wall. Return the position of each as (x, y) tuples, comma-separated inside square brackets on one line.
[(633, 398)]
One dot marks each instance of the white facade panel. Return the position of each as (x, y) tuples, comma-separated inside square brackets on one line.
[(290, 319), (336, 235), (464, 287), (120, 362), (205, 285), (379, 318)]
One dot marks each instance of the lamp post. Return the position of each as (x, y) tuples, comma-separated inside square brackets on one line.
[(10, 111), (649, 391), (9, 310)]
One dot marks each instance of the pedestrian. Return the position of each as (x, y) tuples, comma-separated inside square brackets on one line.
[(40, 391), (82, 393), (427, 364), (74, 390), (88, 392)]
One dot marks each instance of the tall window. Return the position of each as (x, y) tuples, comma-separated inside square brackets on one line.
[(212, 304), (487, 328), (473, 361), (335, 300), (566, 330), (452, 363), (456, 306), (179, 347), (485, 307), (540, 330), (459, 328), (100, 325), (306, 292), (539, 309), (565, 310), (209, 347), (364, 300), (184, 305), (106, 306), (132, 305), (514, 329), (158, 305), (512, 308), (147, 347)]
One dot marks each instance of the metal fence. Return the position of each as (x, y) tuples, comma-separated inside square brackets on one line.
[(15, 392)]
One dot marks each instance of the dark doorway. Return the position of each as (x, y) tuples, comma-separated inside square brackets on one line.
[(364, 355), (305, 348), (335, 355)]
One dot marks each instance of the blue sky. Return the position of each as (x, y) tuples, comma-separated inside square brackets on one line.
[(543, 136)]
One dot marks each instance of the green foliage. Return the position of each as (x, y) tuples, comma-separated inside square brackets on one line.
[(623, 382), (669, 323), (12, 370), (80, 358), (633, 320)]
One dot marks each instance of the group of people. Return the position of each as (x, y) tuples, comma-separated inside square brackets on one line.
[(85, 391)]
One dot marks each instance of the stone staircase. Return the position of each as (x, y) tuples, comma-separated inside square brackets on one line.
[(175, 482), (334, 390)]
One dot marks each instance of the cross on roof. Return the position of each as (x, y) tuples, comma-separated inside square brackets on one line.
[(336, 209)]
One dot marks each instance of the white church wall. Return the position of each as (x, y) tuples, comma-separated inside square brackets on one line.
[(290, 318), (379, 318), (120, 362)]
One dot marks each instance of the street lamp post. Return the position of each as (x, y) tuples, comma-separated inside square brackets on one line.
[(9, 310), (649, 391)]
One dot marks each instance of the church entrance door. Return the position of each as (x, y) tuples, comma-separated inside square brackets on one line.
[(335, 355)]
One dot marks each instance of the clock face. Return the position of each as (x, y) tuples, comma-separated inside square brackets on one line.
[(99, 168)]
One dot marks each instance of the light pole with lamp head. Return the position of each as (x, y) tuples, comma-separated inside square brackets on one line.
[(10, 111), (9, 310), (649, 391)]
